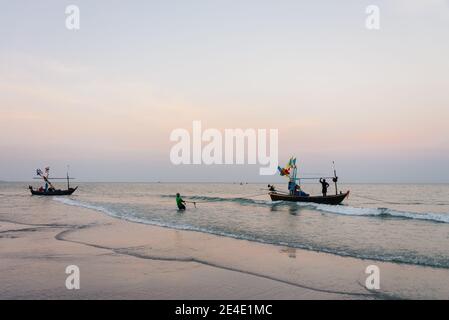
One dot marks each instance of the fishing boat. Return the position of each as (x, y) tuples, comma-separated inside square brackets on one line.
[(49, 189), (329, 199), (295, 193), (56, 192)]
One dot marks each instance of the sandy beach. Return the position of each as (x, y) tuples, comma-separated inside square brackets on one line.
[(125, 260)]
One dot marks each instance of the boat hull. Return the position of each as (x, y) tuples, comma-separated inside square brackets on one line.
[(54, 193), (331, 199)]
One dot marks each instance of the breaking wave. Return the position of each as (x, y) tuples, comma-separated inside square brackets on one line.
[(378, 212)]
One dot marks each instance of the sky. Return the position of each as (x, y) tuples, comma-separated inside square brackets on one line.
[(105, 98)]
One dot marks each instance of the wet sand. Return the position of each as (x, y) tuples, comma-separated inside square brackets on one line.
[(125, 260)]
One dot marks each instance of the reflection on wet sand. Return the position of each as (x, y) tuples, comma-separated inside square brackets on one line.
[(291, 252)]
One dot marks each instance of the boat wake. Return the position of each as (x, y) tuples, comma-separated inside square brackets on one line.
[(377, 212)]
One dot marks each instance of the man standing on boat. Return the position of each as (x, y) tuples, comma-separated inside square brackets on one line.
[(181, 203), (324, 186)]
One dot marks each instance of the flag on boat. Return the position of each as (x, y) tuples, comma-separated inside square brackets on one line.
[(39, 172), (286, 170)]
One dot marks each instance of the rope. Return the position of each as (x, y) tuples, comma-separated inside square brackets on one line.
[(253, 196), (378, 200), (237, 196), (262, 194)]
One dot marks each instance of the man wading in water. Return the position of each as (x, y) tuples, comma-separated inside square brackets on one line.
[(180, 202)]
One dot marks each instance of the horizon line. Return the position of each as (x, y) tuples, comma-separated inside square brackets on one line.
[(221, 182)]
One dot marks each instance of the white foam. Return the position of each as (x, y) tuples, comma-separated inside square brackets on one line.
[(356, 211), (75, 203)]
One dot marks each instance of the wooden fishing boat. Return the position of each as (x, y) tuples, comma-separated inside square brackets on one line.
[(329, 199), (50, 189), (295, 193), (66, 192)]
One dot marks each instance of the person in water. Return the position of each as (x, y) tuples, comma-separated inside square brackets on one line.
[(181, 203), (324, 186)]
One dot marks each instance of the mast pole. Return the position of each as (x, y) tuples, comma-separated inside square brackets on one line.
[(296, 174), (335, 177), (68, 180), (291, 180)]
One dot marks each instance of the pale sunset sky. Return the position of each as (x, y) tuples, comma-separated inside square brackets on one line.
[(105, 98)]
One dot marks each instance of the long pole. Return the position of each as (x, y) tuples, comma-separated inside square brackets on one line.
[(335, 177), (68, 180), (311, 178), (47, 181), (295, 170)]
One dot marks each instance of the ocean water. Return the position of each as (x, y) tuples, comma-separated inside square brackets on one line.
[(388, 222)]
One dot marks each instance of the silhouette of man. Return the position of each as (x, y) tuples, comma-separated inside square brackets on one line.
[(324, 186)]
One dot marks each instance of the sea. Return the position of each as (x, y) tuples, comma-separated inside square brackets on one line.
[(402, 223)]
